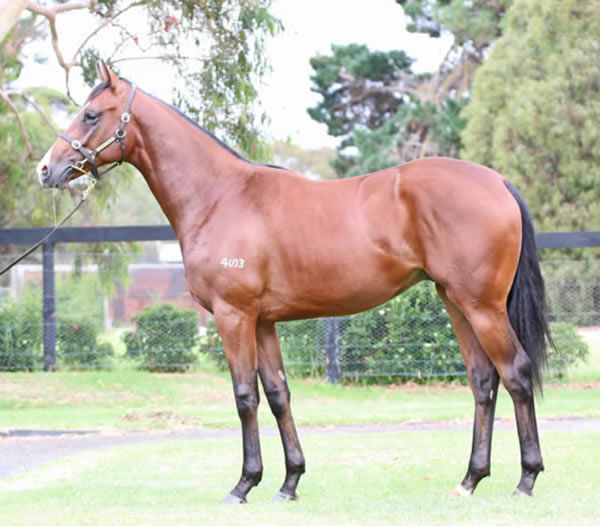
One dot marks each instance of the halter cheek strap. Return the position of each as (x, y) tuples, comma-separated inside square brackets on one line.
[(89, 156)]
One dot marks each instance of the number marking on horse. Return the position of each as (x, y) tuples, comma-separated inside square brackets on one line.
[(233, 262)]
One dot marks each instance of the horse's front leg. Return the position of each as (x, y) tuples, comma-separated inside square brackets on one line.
[(272, 375), (238, 332)]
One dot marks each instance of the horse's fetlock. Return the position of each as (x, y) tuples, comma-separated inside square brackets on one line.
[(295, 464), (253, 474), (532, 465), (478, 471)]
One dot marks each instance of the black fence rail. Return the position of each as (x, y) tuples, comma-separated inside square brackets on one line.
[(410, 336)]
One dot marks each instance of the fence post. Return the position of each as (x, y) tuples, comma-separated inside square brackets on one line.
[(49, 306), (332, 354)]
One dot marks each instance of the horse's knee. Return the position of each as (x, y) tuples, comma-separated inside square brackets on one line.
[(246, 399), (484, 383), (279, 399)]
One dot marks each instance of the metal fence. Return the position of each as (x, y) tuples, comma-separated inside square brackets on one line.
[(104, 323)]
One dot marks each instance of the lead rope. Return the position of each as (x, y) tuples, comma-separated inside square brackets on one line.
[(84, 197)]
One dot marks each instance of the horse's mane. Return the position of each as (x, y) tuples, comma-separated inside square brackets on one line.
[(99, 88)]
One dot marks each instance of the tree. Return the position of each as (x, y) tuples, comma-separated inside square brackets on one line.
[(215, 48), (536, 108), (359, 87), (377, 105), (387, 113)]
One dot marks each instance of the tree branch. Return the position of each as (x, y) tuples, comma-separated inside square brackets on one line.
[(49, 13), (24, 135), (30, 100), (104, 24)]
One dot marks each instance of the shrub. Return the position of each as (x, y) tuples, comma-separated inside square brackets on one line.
[(303, 346), (570, 348), (78, 346), (21, 331), (164, 338), (212, 346), (409, 336)]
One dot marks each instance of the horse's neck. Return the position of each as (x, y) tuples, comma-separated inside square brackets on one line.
[(186, 169)]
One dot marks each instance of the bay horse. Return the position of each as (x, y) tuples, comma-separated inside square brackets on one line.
[(262, 244)]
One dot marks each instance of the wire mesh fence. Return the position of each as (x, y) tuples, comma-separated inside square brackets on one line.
[(147, 319)]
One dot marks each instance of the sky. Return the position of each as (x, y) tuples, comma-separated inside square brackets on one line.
[(311, 27)]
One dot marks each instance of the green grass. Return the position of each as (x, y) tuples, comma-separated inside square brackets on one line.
[(367, 478), (134, 399), (374, 479)]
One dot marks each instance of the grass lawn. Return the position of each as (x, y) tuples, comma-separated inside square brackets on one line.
[(367, 478), (374, 479), (128, 399)]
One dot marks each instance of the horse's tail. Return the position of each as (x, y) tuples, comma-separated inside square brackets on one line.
[(527, 297)]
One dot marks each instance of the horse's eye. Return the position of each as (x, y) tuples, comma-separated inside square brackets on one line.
[(91, 117)]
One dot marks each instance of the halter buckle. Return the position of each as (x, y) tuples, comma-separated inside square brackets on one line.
[(120, 133), (79, 165), (125, 117)]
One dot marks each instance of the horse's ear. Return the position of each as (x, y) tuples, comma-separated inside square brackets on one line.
[(105, 74)]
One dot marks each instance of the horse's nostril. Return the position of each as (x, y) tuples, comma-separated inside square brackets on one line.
[(44, 170)]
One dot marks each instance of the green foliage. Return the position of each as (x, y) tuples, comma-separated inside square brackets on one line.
[(536, 107), (21, 333), (302, 347), (352, 79), (80, 308), (370, 100), (211, 345), (219, 88), (570, 348), (410, 336), (164, 338), (477, 22), (390, 143), (78, 346)]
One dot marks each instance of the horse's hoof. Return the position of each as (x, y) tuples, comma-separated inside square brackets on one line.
[(233, 499), (461, 491), (284, 497), (520, 493)]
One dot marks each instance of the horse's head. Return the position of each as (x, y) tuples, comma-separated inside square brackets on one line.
[(96, 136)]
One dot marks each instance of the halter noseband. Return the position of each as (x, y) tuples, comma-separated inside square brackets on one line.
[(90, 155)]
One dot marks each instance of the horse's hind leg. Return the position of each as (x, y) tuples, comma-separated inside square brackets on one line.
[(272, 375), (497, 337), (238, 332), (483, 378)]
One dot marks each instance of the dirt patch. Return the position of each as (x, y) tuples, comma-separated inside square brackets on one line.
[(581, 386), (166, 418), (414, 386)]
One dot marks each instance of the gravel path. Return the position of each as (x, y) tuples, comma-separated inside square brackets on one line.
[(21, 450)]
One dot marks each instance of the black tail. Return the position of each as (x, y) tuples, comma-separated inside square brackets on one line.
[(527, 298)]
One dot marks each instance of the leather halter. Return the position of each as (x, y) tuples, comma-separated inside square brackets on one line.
[(89, 156)]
